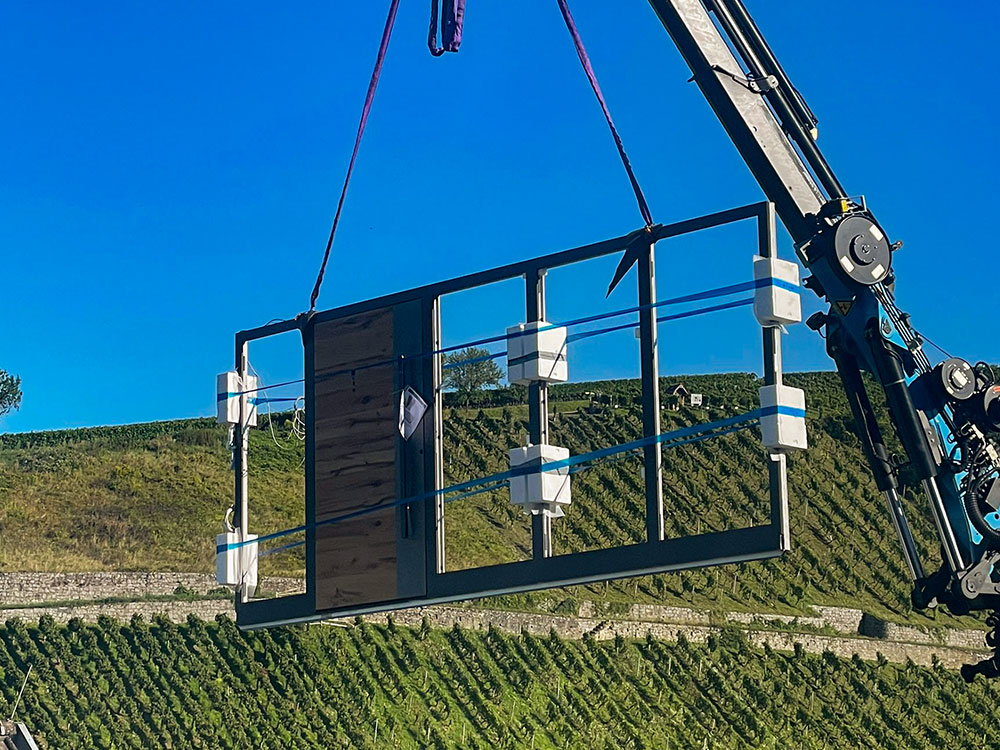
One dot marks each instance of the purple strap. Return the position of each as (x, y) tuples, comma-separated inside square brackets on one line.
[(585, 60), (372, 85), (452, 19)]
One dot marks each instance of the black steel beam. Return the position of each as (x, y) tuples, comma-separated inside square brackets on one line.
[(732, 546), (512, 270)]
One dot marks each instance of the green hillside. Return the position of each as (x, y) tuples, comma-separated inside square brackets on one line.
[(201, 685), (152, 496)]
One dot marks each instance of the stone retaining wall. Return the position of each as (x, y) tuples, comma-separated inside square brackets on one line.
[(660, 613), (32, 588), (867, 636), (576, 627), (206, 609), (841, 620), (540, 625), (873, 627)]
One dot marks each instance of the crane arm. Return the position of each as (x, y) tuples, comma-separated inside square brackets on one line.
[(947, 417), (745, 114)]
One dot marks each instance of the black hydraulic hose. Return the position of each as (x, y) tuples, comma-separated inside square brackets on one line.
[(763, 50), (740, 42), (791, 109), (976, 474), (971, 502), (864, 419), (993, 411)]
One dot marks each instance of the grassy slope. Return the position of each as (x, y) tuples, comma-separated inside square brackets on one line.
[(151, 497), (140, 497), (201, 685)]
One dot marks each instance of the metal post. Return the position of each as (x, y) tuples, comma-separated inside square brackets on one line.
[(241, 468), (307, 332), (650, 372), (952, 552), (777, 465), (910, 553), (438, 502), (538, 410), (20, 692)]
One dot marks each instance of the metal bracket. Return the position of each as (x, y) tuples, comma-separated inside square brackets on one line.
[(756, 84), (976, 580)]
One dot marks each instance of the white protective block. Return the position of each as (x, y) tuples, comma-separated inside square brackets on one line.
[(228, 561), (227, 398), (783, 418), (536, 356), (544, 492), (773, 305)]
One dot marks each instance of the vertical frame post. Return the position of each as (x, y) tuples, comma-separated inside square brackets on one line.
[(538, 409), (309, 373), (777, 469), (241, 471), (650, 372), (413, 337), (435, 515)]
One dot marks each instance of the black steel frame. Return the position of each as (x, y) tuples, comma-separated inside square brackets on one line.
[(430, 583)]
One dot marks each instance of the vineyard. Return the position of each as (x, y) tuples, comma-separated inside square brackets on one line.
[(844, 549), (206, 685), (151, 497)]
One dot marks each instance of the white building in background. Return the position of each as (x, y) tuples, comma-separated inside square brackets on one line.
[(676, 395)]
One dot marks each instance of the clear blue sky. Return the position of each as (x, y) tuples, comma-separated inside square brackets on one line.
[(170, 169)]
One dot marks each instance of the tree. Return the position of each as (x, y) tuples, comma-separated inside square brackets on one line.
[(470, 370), (10, 392)]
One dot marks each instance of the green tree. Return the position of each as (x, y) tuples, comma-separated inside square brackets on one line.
[(470, 370), (10, 392)]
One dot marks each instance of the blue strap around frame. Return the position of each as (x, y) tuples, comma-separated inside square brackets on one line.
[(742, 421)]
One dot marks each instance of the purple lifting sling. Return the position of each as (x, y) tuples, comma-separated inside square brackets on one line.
[(452, 17)]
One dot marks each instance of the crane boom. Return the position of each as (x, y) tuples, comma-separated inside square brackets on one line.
[(745, 114), (946, 416)]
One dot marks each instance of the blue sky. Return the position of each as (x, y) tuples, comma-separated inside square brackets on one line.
[(170, 171)]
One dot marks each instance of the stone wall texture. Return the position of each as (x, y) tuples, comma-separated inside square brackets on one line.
[(206, 609), (32, 588), (29, 588), (847, 631), (576, 627)]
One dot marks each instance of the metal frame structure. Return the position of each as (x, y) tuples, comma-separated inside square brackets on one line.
[(422, 468)]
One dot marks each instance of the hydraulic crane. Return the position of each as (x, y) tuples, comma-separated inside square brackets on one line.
[(947, 417)]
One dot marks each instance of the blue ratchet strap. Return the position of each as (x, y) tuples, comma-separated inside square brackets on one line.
[(661, 319), (669, 438), (723, 291)]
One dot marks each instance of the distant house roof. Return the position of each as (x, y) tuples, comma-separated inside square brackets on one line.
[(677, 389)]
